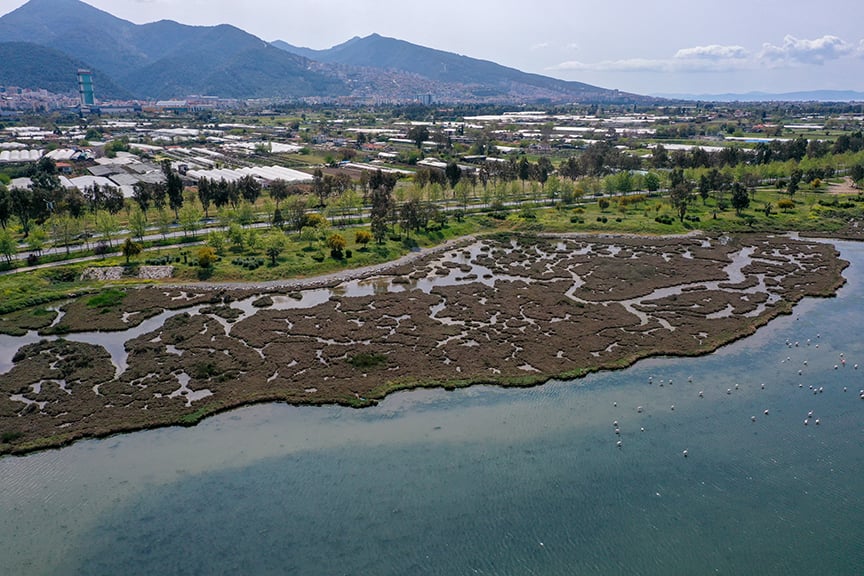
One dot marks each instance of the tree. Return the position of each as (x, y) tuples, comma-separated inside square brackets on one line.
[(740, 198), (362, 237), (142, 193), (206, 256), (36, 239), (190, 217), (205, 195), (786, 204), (112, 199), (8, 247), (138, 224), (652, 182), (453, 173), (65, 228), (279, 190), (163, 221), (680, 196), (5, 206), (22, 207), (382, 203), (250, 188), (336, 243), (524, 170), (107, 225), (173, 188), (419, 135), (131, 249), (274, 244)]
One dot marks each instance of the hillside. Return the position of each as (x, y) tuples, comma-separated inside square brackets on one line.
[(166, 59), (32, 66), (377, 51)]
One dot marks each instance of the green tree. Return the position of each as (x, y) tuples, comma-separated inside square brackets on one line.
[(138, 224), (131, 249), (190, 219), (740, 198), (274, 244), (163, 222), (36, 239), (65, 229), (652, 182), (680, 196), (418, 135), (5, 206), (174, 188), (279, 190), (216, 240), (8, 247), (107, 225), (453, 173)]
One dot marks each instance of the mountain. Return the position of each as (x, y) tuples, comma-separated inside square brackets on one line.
[(166, 59), (32, 66), (453, 70), (805, 96)]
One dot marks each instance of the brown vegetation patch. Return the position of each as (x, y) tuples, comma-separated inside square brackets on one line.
[(509, 311)]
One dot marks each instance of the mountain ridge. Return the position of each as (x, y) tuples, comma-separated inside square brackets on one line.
[(166, 59)]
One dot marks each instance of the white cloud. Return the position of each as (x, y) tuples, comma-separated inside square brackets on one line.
[(802, 51), (540, 46), (712, 52), (728, 58)]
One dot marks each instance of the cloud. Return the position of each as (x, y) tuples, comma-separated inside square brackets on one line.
[(722, 58), (713, 52), (540, 46), (802, 51)]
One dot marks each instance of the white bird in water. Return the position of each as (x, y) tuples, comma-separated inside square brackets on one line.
[(701, 394), (753, 418), (639, 409), (766, 412), (684, 453), (817, 421), (763, 386), (673, 407), (615, 423), (806, 422), (619, 444), (810, 414)]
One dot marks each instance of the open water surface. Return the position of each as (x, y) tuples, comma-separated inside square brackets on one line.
[(488, 480)]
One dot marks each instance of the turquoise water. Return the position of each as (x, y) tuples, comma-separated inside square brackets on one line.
[(485, 480)]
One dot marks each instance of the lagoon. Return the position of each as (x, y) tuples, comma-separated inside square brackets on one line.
[(488, 480)]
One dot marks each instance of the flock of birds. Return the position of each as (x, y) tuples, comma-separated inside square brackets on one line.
[(789, 344)]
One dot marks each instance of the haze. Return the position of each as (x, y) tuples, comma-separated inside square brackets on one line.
[(664, 46)]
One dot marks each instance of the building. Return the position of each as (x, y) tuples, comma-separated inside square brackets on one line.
[(85, 89)]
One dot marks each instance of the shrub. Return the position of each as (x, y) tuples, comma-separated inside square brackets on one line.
[(206, 256), (367, 360)]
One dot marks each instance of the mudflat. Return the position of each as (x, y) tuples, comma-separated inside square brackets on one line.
[(503, 310)]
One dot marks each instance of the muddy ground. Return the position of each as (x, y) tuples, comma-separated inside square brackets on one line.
[(512, 311)]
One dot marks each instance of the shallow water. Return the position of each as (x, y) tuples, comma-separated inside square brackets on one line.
[(487, 480)]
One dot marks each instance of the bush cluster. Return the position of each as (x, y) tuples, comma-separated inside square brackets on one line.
[(248, 262)]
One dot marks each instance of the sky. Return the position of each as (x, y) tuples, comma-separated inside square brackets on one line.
[(641, 46)]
